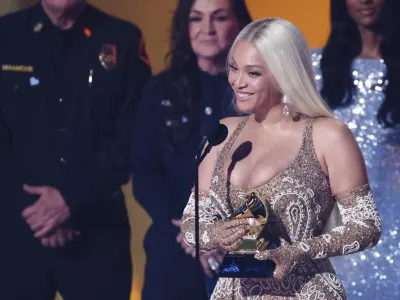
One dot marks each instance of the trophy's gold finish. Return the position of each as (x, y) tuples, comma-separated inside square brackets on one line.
[(257, 209)]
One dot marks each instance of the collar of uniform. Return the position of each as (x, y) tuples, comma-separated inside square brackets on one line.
[(40, 17)]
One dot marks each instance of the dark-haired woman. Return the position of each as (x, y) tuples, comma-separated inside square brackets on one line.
[(178, 105), (358, 72)]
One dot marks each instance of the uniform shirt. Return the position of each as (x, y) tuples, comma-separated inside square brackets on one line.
[(66, 102)]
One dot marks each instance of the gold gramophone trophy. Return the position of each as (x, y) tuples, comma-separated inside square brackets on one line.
[(241, 263)]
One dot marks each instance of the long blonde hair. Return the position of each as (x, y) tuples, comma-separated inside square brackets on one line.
[(286, 54)]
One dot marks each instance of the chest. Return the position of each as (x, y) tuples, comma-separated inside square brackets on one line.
[(39, 81), (256, 160)]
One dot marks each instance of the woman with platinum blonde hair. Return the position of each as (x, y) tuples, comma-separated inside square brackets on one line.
[(297, 158)]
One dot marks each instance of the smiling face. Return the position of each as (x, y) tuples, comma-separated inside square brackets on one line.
[(212, 27), (251, 80), (366, 13)]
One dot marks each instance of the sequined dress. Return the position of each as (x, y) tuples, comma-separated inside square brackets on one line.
[(301, 201), (373, 274)]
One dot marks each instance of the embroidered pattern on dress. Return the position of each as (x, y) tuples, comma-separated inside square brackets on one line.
[(364, 210), (300, 197)]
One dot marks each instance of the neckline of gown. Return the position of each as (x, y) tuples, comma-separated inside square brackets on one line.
[(270, 181)]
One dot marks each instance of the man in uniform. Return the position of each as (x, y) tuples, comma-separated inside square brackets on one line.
[(70, 78)]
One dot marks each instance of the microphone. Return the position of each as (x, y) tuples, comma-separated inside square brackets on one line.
[(214, 137)]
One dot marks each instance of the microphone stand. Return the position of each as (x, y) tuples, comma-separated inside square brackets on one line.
[(199, 158), (215, 139)]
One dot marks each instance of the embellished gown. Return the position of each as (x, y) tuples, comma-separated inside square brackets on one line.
[(373, 274), (300, 203)]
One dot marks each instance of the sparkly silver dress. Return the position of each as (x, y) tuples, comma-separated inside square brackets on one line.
[(373, 274)]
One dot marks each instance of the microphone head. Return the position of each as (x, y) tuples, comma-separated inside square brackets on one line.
[(208, 127), (218, 135)]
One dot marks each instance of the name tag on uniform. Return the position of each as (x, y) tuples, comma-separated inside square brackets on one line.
[(17, 68)]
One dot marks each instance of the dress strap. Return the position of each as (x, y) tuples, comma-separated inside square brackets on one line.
[(308, 135), (309, 153), (308, 130)]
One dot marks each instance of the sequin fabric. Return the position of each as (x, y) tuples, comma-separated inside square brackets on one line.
[(300, 202), (373, 274)]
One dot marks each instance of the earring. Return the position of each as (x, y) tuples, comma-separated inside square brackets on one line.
[(285, 102)]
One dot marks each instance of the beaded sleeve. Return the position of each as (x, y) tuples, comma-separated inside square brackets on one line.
[(210, 211), (361, 227)]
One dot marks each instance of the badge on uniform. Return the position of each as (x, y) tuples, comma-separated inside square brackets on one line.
[(108, 56), (87, 32)]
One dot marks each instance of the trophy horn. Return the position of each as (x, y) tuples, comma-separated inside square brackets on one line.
[(253, 208)]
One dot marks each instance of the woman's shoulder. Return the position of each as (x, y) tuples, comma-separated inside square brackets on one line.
[(155, 93), (333, 140), (159, 81), (331, 132), (330, 125)]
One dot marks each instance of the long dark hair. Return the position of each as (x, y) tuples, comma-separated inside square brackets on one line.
[(182, 65), (345, 44)]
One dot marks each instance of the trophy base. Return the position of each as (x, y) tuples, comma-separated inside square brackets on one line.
[(239, 265), (248, 246)]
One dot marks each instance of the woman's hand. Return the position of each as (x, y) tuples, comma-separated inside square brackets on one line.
[(229, 234), (224, 234), (285, 257), (189, 250)]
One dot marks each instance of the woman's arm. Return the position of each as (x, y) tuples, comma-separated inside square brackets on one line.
[(341, 157), (214, 232)]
